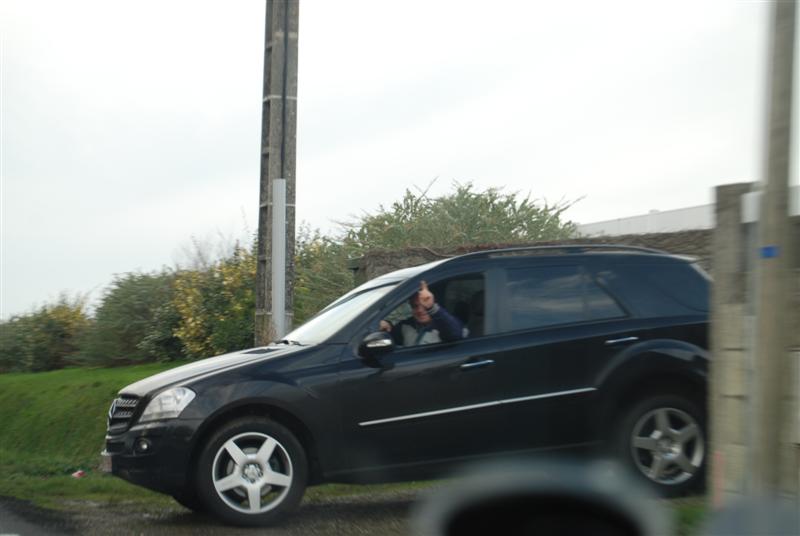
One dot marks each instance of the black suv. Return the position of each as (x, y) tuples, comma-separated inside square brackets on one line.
[(565, 347)]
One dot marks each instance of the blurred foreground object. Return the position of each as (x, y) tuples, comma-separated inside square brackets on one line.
[(544, 498), (771, 297), (755, 369)]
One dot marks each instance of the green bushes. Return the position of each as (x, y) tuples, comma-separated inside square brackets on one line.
[(216, 306), (135, 321), (210, 309), (463, 217), (46, 339), (321, 274)]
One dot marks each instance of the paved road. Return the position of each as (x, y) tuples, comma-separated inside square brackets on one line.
[(384, 513), (19, 518)]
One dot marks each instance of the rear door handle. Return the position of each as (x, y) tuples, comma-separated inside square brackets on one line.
[(477, 364), (620, 341)]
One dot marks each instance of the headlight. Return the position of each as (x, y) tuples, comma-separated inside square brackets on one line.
[(167, 405)]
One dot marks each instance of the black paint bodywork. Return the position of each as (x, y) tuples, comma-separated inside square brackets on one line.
[(413, 411)]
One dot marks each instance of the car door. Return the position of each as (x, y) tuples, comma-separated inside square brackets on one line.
[(526, 382), (555, 329), (422, 403)]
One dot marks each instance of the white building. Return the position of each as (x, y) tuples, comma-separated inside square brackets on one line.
[(682, 219)]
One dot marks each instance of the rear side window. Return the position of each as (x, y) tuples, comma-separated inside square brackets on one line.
[(552, 295), (683, 283), (659, 289)]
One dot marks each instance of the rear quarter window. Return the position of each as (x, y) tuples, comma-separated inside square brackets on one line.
[(683, 283), (659, 289)]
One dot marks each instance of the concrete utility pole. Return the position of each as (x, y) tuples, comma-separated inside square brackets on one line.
[(773, 284), (278, 151)]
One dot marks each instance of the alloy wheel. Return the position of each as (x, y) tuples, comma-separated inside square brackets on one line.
[(667, 446), (252, 473)]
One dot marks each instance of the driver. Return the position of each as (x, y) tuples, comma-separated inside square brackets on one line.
[(429, 322)]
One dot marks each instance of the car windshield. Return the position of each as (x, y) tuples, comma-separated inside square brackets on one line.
[(337, 315)]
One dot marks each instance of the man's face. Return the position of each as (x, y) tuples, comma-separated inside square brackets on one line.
[(420, 313)]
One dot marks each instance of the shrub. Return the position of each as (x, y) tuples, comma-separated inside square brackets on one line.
[(134, 322), (45, 339), (464, 217), (321, 273), (216, 306)]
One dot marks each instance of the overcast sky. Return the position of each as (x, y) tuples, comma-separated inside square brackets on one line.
[(130, 127)]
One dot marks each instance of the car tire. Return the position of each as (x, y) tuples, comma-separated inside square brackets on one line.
[(663, 440), (252, 472)]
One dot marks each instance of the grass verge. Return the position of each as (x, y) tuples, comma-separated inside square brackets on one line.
[(53, 425)]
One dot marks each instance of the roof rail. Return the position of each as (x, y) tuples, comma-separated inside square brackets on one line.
[(578, 248)]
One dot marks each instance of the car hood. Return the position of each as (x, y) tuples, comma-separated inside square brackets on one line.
[(219, 363)]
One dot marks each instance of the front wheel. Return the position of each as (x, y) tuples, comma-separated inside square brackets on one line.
[(252, 472), (663, 439)]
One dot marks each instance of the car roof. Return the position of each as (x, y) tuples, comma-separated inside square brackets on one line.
[(574, 252), (558, 250)]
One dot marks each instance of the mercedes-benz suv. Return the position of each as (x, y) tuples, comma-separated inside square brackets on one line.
[(564, 348)]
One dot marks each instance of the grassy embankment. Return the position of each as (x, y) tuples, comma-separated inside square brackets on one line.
[(53, 424)]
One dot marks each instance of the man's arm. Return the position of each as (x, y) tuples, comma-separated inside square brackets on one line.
[(450, 328), (395, 330)]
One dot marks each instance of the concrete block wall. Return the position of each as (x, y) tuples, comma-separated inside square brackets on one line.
[(732, 339), (791, 460), (728, 393)]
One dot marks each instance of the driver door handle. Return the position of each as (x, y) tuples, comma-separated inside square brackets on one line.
[(477, 364)]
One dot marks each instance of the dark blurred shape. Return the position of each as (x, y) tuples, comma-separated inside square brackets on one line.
[(542, 498), (756, 517), (544, 513)]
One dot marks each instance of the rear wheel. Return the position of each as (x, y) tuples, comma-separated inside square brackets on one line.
[(252, 472), (663, 438)]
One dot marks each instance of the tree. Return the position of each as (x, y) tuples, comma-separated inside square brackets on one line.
[(134, 321), (216, 306), (464, 217), (321, 273)]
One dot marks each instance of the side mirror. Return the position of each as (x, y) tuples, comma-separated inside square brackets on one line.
[(375, 345)]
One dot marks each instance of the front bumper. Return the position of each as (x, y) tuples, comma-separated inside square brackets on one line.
[(163, 465)]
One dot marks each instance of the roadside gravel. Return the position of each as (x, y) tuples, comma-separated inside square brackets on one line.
[(384, 513)]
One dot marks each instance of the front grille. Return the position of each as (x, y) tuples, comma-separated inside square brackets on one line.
[(121, 412)]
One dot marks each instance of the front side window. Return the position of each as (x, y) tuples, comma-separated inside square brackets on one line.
[(553, 295), (457, 313)]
